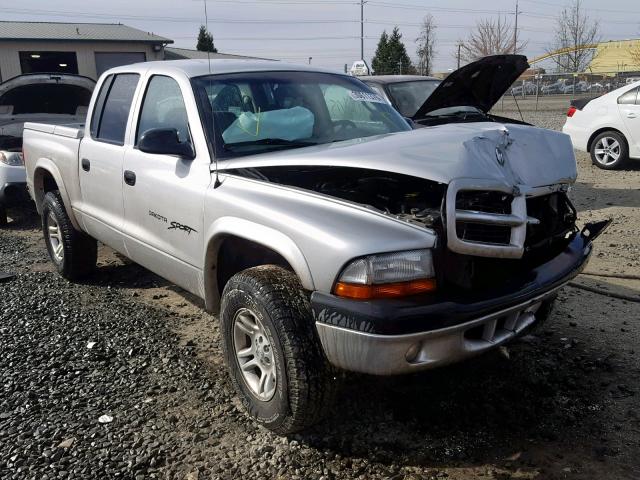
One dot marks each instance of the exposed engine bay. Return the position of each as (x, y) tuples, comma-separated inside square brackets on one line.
[(407, 198)]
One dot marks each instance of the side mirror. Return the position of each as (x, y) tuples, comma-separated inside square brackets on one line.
[(165, 141)]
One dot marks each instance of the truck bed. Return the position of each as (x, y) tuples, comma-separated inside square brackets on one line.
[(45, 143)]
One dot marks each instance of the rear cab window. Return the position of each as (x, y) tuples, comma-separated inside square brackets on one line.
[(113, 104)]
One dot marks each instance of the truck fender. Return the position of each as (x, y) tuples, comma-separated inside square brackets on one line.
[(254, 232), (45, 165)]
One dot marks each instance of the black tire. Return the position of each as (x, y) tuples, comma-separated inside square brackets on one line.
[(3, 216), (604, 161), (79, 251), (305, 383)]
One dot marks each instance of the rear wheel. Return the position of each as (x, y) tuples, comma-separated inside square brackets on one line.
[(72, 252), (272, 350), (609, 151)]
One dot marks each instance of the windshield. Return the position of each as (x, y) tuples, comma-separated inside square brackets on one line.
[(409, 96), (257, 112), (49, 98)]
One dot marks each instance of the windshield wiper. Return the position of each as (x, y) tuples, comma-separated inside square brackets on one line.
[(272, 142)]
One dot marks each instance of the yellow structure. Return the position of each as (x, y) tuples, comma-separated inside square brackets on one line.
[(610, 57), (616, 56)]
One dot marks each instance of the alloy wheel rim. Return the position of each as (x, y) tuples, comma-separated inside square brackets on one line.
[(254, 354), (607, 150), (55, 238)]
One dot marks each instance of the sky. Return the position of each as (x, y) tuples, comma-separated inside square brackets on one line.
[(329, 30)]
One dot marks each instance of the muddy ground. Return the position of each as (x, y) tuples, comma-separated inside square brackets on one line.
[(561, 403)]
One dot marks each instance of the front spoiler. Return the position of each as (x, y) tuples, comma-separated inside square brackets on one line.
[(450, 331)]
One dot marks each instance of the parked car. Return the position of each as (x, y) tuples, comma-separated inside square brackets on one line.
[(51, 98), (406, 93), (525, 88), (553, 88), (300, 205), (608, 127)]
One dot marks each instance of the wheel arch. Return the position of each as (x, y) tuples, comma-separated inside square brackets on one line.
[(602, 130), (47, 177), (251, 245)]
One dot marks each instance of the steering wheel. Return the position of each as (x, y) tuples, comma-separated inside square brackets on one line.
[(340, 125)]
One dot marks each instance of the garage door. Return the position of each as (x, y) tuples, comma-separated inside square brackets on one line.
[(107, 60)]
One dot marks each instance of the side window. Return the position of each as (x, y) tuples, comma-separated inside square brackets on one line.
[(97, 109), (109, 122), (163, 107), (629, 98)]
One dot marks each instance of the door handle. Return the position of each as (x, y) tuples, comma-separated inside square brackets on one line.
[(129, 177), (631, 115), (86, 164)]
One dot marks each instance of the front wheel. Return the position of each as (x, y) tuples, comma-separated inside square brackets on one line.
[(272, 350), (609, 151), (72, 252)]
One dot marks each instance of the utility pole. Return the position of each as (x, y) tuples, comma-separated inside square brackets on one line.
[(362, 29), (515, 32), (459, 47)]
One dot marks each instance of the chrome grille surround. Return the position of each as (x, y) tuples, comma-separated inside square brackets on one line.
[(517, 220)]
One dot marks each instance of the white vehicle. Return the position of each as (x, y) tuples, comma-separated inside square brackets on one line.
[(608, 127), (40, 97), (300, 205), (359, 68)]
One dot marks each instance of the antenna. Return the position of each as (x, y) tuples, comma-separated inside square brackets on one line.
[(217, 181)]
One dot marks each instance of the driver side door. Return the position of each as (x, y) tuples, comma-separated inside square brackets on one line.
[(164, 194)]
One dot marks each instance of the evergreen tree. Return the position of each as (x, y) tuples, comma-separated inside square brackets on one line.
[(400, 61), (205, 41), (380, 62), (391, 55)]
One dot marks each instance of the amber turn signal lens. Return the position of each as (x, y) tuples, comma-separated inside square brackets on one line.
[(385, 290)]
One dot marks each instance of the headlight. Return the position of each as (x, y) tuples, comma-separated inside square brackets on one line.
[(388, 275), (11, 158)]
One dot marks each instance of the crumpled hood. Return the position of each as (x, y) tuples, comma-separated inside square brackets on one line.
[(512, 154)]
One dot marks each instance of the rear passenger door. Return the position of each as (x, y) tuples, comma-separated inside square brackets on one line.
[(101, 159), (629, 107)]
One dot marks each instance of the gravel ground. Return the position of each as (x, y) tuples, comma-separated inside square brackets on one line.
[(561, 403)]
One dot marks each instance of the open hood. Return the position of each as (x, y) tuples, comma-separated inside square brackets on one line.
[(479, 84)]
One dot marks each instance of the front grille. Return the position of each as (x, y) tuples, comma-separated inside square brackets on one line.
[(485, 219), (478, 232)]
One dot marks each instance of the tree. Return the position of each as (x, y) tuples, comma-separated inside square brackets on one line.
[(426, 45), (380, 61), (490, 37), (205, 41), (391, 55), (574, 29)]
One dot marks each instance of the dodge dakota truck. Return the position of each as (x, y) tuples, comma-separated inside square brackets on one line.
[(302, 207)]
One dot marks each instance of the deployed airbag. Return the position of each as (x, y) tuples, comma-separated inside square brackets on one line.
[(288, 124)]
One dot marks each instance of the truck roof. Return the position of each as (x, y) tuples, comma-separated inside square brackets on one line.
[(200, 67)]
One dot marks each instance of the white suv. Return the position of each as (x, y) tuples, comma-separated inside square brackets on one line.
[(608, 127)]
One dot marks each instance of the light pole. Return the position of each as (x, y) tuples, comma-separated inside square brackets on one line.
[(362, 2), (310, 58)]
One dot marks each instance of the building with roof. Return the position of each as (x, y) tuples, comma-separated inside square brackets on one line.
[(174, 53), (82, 48)]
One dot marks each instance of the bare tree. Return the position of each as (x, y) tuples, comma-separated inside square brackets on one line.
[(490, 37), (426, 45), (574, 31)]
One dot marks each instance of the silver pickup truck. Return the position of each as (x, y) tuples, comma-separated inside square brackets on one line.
[(326, 231)]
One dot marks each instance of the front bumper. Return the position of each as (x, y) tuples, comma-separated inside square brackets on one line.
[(387, 337)]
